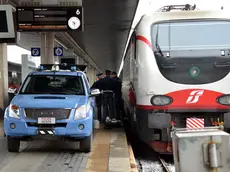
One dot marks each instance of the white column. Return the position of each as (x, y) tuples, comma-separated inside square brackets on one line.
[(57, 59), (47, 46), (3, 76), (77, 60), (25, 66)]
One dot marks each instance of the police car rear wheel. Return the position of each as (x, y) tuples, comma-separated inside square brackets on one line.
[(86, 144), (13, 144)]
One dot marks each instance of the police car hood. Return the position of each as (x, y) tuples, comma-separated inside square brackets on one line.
[(49, 101)]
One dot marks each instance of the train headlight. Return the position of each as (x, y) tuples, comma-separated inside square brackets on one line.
[(160, 100), (224, 100)]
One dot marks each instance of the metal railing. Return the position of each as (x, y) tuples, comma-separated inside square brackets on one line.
[(168, 8)]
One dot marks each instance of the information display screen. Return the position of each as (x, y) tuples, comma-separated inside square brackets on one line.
[(43, 19), (3, 19)]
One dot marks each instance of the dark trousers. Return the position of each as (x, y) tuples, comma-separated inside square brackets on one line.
[(108, 106), (99, 104)]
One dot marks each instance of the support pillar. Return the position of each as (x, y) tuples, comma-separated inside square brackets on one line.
[(3, 78), (25, 66), (47, 46), (77, 60)]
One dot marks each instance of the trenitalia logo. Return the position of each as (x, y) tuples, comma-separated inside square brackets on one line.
[(194, 96)]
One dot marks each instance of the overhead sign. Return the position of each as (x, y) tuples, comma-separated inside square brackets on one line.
[(58, 51), (7, 30), (35, 52), (43, 19), (50, 2)]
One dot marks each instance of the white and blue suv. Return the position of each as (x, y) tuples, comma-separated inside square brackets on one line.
[(55, 101)]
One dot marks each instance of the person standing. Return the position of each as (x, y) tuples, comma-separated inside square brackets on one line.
[(118, 94), (107, 84), (99, 97), (99, 76)]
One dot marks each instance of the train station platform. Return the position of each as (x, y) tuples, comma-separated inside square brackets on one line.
[(110, 153)]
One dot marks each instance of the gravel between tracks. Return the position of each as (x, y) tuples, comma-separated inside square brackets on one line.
[(146, 159)]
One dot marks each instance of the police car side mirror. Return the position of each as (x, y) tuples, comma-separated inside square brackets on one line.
[(95, 92)]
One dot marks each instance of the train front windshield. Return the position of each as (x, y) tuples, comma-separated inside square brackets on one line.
[(182, 46), (189, 35)]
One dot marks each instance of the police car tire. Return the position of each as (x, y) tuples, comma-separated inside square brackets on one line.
[(86, 144), (13, 144)]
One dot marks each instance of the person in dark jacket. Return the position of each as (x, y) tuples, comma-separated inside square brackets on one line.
[(98, 98), (99, 76), (105, 84), (118, 94)]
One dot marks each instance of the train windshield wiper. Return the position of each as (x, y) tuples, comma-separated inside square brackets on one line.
[(159, 49), (157, 45)]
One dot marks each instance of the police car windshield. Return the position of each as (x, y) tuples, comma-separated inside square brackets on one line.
[(191, 35), (53, 84)]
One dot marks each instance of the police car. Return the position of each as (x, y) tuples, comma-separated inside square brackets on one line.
[(54, 101)]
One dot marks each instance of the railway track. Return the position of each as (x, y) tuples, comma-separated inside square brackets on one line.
[(167, 167), (146, 159)]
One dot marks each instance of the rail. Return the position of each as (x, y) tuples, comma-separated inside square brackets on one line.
[(164, 164)]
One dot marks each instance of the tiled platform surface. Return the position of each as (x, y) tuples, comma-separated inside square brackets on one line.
[(110, 152)]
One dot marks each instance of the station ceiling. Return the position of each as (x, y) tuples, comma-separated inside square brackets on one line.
[(106, 28)]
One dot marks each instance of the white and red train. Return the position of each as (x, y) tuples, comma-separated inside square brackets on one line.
[(176, 73)]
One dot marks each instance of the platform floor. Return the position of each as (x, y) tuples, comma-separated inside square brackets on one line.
[(110, 154)]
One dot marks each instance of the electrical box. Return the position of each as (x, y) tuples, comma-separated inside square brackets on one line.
[(203, 150)]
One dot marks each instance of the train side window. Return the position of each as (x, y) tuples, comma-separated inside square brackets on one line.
[(135, 46)]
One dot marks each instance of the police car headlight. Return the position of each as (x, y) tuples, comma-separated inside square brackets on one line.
[(14, 111), (160, 100), (81, 112), (224, 100)]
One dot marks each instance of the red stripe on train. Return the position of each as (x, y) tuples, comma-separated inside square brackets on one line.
[(170, 107), (145, 40), (190, 99)]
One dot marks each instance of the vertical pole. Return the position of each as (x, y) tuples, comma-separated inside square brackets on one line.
[(25, 66), (3, 77), (47, 46)]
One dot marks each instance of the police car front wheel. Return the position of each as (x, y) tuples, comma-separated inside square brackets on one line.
[(86, 144), (13, 144)]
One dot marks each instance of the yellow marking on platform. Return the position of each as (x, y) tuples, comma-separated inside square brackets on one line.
[(1, 128), (99, 158)]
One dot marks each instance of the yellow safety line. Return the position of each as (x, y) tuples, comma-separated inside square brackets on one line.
[(1, 128), (99, 157)]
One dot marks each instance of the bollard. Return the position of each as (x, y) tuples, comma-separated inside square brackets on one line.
[(96, 124)]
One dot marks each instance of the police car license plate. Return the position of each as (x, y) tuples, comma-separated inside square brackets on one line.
[(46, 120)]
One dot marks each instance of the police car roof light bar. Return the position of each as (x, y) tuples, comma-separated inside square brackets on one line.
[(41, 68), (186, 7), (63, 66)]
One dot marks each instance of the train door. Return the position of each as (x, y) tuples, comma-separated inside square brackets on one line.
[(133, 76)]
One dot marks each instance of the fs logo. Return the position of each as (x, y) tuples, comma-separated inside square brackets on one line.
[(194, 96)]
